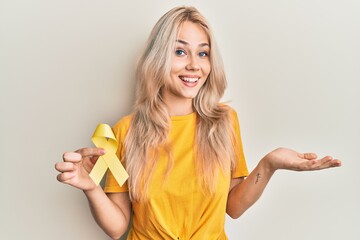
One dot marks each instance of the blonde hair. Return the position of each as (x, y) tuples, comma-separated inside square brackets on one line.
[(148, 131)]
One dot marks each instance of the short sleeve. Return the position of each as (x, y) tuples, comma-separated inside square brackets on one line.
[(240, 169), (120, 130)]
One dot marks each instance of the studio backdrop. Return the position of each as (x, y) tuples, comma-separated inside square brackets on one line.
[(293, 70)]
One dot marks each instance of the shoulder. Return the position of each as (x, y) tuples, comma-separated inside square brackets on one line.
[(124, 121), (233, 116), (121, 127), (230, 111)]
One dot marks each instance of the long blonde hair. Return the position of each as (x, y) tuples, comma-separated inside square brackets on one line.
[(150, 122)]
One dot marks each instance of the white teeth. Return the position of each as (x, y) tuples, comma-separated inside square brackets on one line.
[(191, 80)]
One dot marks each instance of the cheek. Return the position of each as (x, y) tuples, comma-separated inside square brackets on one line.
[(176, 66), (206, 68)]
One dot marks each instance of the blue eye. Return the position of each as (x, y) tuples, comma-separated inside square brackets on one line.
[(180, 52), (203, 54)]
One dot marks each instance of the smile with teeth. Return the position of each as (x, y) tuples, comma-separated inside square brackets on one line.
[(189, 79)]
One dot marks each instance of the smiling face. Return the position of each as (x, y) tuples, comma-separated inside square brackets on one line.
[(190, 67)]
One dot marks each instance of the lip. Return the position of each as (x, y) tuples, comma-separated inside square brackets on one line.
[(189, 78)]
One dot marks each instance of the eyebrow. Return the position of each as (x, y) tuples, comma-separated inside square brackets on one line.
[(186, 43)]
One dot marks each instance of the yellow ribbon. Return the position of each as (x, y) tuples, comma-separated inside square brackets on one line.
[(104, 138)]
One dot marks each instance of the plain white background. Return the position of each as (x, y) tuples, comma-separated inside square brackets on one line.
[(293, 73)]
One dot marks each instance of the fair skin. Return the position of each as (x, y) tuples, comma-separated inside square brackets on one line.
[(111, 211), (190, 68), (248, 191)]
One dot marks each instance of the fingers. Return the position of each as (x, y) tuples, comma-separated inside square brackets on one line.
[(324, 163), (328, 162), (68, 166), (308, 156), (67, 171), (73, 157), (90, 152), (337, 163), (65, 166), (66, 176), (76, 165), (78, 155)]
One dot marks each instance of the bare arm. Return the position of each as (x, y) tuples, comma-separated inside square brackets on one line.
[(112, 211), (244, 193)]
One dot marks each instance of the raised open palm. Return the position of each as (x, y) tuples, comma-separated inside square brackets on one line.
[(283, 158)]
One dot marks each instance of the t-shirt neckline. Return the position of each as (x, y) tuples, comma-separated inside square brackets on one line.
[(183, 117)]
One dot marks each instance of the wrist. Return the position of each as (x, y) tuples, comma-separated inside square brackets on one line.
[(91, 191), (267, 164)]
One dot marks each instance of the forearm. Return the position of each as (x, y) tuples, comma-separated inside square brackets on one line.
[(108, 215), (244, 195)]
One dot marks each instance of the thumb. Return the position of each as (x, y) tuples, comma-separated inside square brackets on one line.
[(309, 156)]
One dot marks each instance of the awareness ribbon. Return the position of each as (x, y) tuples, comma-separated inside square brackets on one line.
[(104, 137)]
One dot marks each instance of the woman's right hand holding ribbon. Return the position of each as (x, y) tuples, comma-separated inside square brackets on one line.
[(76, 166)]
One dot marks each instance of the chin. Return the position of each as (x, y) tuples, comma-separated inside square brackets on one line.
[(190, 95)]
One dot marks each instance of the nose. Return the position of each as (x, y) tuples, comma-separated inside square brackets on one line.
[(192, 64)]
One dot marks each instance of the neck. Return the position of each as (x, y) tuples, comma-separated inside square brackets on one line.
[(178, 107)]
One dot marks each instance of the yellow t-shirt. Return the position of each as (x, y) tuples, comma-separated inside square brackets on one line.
[(177, 207)]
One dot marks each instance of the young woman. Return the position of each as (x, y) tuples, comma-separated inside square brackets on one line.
[(181, 147)]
